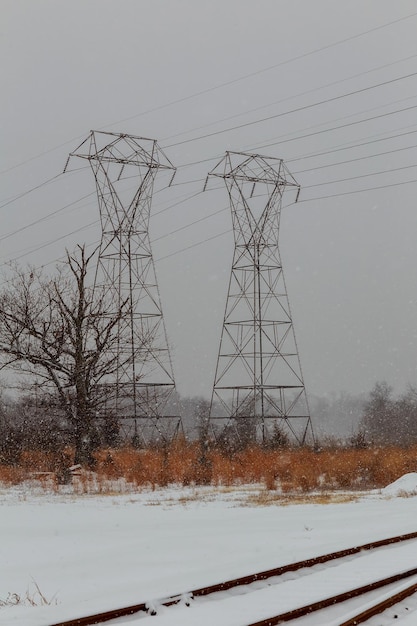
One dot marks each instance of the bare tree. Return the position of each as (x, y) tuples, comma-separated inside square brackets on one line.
[(388, 420), (57, 333), (380, 420)]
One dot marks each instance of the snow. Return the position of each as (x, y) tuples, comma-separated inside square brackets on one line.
[(93, 553), (407, 484)]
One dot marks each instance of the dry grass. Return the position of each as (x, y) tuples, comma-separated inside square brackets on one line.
[(11, 475), (266, 498), (32, 597), (289, 471)]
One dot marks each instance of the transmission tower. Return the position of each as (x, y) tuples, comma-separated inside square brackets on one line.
[(125, 168), (258, 388)]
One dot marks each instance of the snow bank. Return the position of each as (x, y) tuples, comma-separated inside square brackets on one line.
[(407, 484)]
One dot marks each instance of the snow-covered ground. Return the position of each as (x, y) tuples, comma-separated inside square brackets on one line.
[(88, 554)]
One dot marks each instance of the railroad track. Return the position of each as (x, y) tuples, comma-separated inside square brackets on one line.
[(358, 618), (389, 600)]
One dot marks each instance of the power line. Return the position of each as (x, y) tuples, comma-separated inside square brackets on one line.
[(221, 85), (276, 140), (194, 245), (348, 193), (50, 180), (73, 232), (342, 180), (302, 93), (40, 154), (201, 219), (185, 198), (308, 156), (305, 200), (369, 156), (24, 252), (184, 165), (213, 158), (263, 70), (349, 147), (45, 217), (182, 201), (328, 130), (25, 193), (43, 184), (218, 235), (291, 111), (196, 194), (207, 239)]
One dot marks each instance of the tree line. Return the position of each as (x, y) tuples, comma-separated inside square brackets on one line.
[(58, 339), (389, 420)]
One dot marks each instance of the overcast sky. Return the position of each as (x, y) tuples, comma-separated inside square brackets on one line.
[(176, 70)]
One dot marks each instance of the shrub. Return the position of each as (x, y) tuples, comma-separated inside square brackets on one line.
[(289, 470)]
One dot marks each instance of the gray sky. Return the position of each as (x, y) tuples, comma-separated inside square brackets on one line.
[(350, 261)]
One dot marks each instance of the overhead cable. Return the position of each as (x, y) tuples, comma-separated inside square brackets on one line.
[(263, 70), (297, 95), (291, 111)]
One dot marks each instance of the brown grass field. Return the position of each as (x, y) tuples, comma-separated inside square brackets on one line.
[(297, 470)]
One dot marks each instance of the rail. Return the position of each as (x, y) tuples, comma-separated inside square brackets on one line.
[(105, 616)]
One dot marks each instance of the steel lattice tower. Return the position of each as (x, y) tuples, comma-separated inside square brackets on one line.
[(125, 168), (258, 381)]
